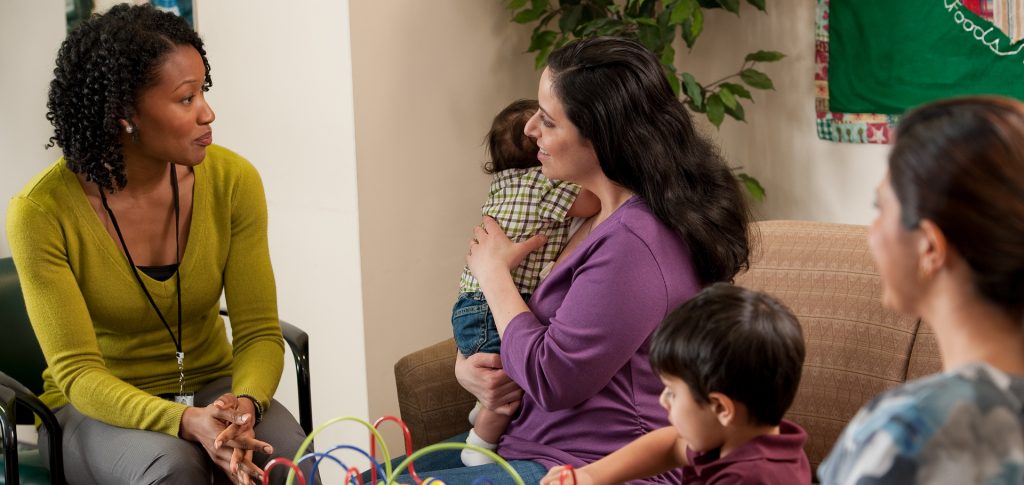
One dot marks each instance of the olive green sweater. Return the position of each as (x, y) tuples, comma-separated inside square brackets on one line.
[(107, 352)]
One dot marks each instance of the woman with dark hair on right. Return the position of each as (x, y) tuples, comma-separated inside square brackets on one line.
[(949, 244), (574, 369)]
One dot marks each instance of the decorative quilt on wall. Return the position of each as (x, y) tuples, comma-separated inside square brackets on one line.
[(874, 59)]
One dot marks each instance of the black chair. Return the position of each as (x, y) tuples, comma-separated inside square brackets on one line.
[(21, 380), (298, 341)]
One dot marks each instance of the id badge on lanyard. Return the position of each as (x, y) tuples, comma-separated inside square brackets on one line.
[(182, 397)]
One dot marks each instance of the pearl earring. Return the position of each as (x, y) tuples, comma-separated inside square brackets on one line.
[(129, 129)]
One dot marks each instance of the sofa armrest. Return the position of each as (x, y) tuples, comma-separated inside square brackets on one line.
[(432, 403)]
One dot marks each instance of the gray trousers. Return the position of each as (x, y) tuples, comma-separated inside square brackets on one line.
[(101, 454)]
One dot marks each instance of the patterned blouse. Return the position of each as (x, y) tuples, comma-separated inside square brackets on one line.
[(965, 426)]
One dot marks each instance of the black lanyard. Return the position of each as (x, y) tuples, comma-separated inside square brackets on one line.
[(177, 258)]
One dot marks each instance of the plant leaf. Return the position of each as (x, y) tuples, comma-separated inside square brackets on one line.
[(537, 10), (541, 40), (716, 110), (650, 37), (753, 186), (527, 16), (738, 90), (668, 57), (756, 79), (516, 5), (647, 8), (597, 25), (542, 58), (765, 56), (693, 91), (682, 10), (673, 81), (570, 18), (731, 5), (738, 112), (693, 27), (546, 19), (758, 3), (727, 98)]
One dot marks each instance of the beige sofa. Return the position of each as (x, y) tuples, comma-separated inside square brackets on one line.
[(823, 272)]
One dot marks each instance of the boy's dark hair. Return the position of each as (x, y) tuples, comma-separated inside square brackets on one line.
[(507, 145), (739, 342)]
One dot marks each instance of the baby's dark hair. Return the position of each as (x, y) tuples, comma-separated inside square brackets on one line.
[(739, 342), (507, 145)]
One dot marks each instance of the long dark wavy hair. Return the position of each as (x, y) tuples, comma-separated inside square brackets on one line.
[(615, 92), (960, 164), (102, 67)]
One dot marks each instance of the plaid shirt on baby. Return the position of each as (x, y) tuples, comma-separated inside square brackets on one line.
[(525, 203)]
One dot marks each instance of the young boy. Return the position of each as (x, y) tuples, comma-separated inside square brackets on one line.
[(730, 359)]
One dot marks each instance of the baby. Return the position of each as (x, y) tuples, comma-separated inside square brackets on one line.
[(524, 203)]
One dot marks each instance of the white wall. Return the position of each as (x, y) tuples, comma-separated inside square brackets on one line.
[(30, 33), (283, 97), (282, 88), (26, 69)]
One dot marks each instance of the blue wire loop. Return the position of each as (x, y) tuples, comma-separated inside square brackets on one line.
[(389, 475), (343, 447)]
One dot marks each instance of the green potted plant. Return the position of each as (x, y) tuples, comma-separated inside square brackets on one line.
[(655, 23)]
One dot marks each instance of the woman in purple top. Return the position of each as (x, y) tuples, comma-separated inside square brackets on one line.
[(574, 370)]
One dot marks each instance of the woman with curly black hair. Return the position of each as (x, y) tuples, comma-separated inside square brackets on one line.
[(123, 248)]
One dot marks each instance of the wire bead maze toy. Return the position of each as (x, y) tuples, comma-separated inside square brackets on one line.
[(381, 473)]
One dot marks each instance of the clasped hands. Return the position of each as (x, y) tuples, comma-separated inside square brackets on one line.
[(225, 429)]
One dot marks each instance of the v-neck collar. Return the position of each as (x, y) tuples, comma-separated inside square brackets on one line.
[(589, 240), (85, 212)]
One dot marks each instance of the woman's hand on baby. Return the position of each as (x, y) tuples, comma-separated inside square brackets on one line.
[(482, 376), (563, 475), (492, 251)]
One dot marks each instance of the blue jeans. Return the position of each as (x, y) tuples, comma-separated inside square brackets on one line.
[(473, 325), (447, 466)]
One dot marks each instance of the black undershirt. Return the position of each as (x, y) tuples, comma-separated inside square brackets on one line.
[(159, 273)]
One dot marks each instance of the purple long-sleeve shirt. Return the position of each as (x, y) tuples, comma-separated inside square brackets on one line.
[(581, 353)]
